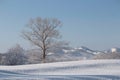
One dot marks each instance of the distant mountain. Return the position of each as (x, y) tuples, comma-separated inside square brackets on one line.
[(71, 54), (113, 53), (113, 50)]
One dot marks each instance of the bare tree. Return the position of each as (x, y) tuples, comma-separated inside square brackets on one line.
[(43, 33), (15, 56)]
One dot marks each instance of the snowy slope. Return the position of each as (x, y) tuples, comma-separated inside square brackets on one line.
[(73, 70)]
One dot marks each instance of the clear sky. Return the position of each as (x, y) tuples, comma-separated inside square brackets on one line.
[(91, 23)]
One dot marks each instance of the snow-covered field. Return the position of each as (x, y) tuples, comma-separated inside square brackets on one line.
[(73, 70)]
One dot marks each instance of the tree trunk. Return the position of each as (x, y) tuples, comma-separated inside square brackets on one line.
[(44, 56)]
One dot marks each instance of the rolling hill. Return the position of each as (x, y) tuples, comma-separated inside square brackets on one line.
[(73, 70)]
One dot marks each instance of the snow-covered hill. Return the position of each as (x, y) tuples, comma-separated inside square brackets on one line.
[(74, 70), (71, 54)]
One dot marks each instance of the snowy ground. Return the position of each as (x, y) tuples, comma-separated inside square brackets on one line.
[(73, 70)]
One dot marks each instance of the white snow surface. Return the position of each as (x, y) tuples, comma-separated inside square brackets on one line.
[(72, 70)]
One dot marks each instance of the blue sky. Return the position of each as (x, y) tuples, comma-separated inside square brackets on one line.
[(91, 23)]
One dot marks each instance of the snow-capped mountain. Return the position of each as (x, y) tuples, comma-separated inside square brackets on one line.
[(70, 54), (83, 48)]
